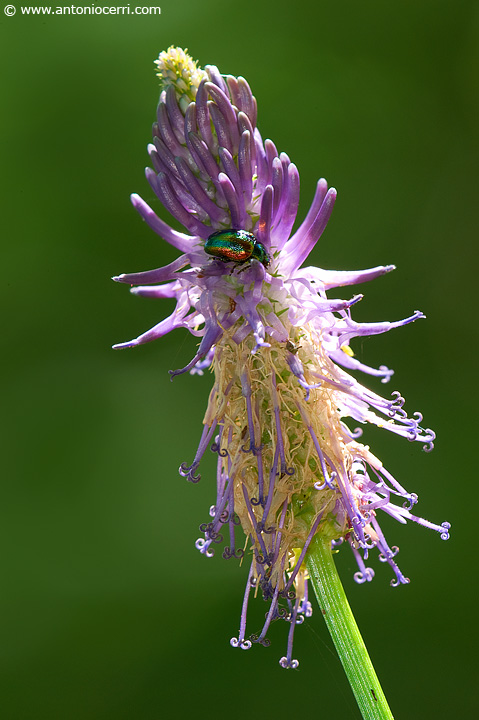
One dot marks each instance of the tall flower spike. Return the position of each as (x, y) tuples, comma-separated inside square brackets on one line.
[(289, 469)]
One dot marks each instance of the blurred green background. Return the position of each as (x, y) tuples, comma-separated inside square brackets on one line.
[(108, 611)]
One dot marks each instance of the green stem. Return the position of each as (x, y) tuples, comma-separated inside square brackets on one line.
[(344, 632)]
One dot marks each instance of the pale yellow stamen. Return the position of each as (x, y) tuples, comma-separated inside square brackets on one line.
[(346, 349), (273, 384)]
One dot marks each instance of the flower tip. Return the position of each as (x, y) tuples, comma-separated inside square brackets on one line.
[(243, 644), (123, 278), (128, 344), (388, 268), (356, 298), (329, 200), (386, 372), (446, 527), (175, 67)]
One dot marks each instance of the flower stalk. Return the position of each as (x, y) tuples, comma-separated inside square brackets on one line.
[(345, 632)]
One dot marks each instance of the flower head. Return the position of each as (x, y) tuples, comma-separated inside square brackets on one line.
[(288, 465)]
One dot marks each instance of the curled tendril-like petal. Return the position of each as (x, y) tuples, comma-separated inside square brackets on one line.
[(395, 582), (257, 501), (445, 534), (243, 644), (258, 639), (252, 448), (330, 482), (216, 449), (395, 407), (238, 554), (387, 374), (384, 557), (368, 543), (193, 478), (411, 500), (289, 664), (210, 532), (202, 545), (185, 469), (305, 608), (266, 530), (362, 577), (398, 399), (430, 443), (188, 471)]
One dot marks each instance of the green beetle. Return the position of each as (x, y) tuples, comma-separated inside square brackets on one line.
[(236, 246)]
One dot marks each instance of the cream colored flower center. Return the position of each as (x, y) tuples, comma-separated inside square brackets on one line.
[(177, 68)]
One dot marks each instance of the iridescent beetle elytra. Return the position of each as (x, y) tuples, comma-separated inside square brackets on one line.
[(236, 246)]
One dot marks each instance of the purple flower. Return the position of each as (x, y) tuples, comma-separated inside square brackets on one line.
[(288, 465)]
